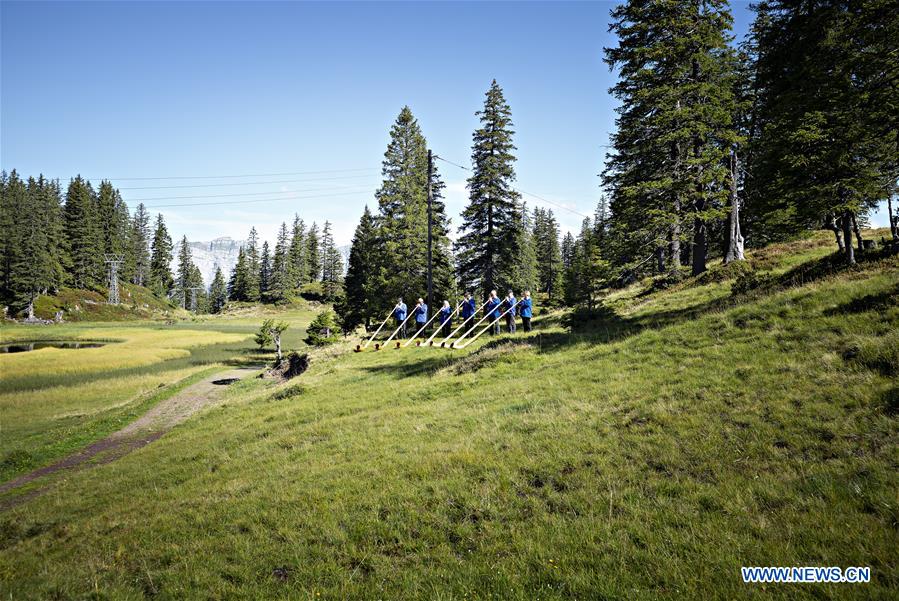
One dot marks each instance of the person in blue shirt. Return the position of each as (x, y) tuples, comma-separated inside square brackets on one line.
[(399, 314), (525, 309), (468, 307), (492, 309), (446, 318), (421, 314), (509, 306)]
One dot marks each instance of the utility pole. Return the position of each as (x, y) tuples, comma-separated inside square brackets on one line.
[(430, 241), (113, 261)]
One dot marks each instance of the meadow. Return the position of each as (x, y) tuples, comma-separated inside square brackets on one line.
[(55, 401), (648, 449)]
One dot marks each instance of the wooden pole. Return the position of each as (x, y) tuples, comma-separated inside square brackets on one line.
[(488, 326), (378, 331), (430, 237)]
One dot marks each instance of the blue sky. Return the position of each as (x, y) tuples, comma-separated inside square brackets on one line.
[(145, 90)]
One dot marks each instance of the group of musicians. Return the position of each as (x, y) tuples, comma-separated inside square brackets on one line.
[(494, 308)]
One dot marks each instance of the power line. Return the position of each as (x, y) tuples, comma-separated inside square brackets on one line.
[(277, 181), (237, 202), (520, 191), (239, 194), (162, 177)]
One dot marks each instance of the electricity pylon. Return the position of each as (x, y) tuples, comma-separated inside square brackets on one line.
[(113, 261)]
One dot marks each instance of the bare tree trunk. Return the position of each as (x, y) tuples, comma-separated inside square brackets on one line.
[(277, 339), (858, 234), (894, 229), (832, 225), (847, 237), (734, 250), (660, 259)]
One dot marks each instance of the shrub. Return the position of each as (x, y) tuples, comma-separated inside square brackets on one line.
[(748, 281), (323, 330)]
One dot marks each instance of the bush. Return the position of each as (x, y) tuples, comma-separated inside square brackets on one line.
[(323, 330), (748, 281)]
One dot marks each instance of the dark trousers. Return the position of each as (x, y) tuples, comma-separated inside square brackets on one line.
[(510, 323), (447, 328), (494, 329), (402, 332), (526, 322)]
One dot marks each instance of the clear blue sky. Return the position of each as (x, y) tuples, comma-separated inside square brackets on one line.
[(128, 90)]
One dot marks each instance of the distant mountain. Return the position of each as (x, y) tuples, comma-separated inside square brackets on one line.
[(221, 252)]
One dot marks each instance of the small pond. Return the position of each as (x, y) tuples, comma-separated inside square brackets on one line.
[(25, 346)]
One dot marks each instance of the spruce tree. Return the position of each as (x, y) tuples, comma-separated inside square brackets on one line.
[(139, 245), (184, 277), (265, 273), (161, 280), (299, 267), (668, 172), (489, 246), (313, 254), (253, 266), (83, 235), (237, 284), (524, 274), (282, 279), (218, 292), (548, 252), (402, 221), (332, 264), (113, 219), (360, 299), (12, 204)]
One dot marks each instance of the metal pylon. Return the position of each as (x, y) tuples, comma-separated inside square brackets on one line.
[(113, 261)]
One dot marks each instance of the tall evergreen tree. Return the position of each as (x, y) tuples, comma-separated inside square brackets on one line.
[(297, 256), (488, 248), (360, 300), (282, 281), (313, 254), (185, 277), (402, 221), (12, 204), (83, 234), (332, 264), (548, 252), (218, 292), (161, 280), (265, 272), (237, 284), (139, 246), (113, 218), (253, 265), (524, 273), (668, 170)]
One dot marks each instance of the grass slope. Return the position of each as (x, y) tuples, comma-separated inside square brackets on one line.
[(648, 452)]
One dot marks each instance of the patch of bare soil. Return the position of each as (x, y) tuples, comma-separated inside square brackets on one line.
[(149, 427)]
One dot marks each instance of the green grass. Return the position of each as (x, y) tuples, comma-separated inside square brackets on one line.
[(55, 401), (648, 451)]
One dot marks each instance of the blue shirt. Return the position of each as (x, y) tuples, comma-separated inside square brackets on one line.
[(445, 314), (421, 313), (509, 304), (525, 305), (493, 307), (399, 312), (468, 308)]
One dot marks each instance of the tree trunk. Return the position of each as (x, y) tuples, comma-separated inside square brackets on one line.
[(835, 228), (894, 228), (734, 250), (674, 228), (277, 337), (660, 259), (858, 234), (847, 237), (699, 246)]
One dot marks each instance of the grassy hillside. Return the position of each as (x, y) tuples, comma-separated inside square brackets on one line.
[(89, 305), (646, 450)]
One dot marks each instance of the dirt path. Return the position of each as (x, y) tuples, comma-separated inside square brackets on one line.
[(150, 426)]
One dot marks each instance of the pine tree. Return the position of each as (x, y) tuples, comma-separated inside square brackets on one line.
[(265, 273), (332, 264), (282, 282), (297, 255), (253, 266), (139, 246), (360, 299), (402, 221), (568, 244), (13, 202), (83, 235), (668, 172), (113, 219), (313, 254), (199, 295), (488, 249), (218, 292), (161, 280), (548, 253), (184, 278), (524, 274), (237, 284)]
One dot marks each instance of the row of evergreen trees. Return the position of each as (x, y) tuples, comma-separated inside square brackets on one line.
[(793, 129)]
